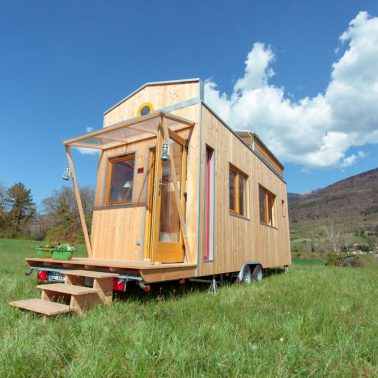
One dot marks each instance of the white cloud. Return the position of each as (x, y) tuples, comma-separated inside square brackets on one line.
[(316, 131), (87, 151)]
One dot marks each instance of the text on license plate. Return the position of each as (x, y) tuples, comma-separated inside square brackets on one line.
[(56, 276)]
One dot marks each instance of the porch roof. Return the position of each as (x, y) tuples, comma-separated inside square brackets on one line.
[(129, 131)]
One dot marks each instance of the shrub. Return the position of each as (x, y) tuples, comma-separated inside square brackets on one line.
[(332, 259)]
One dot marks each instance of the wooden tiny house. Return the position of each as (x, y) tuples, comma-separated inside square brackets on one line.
[(179, 193)]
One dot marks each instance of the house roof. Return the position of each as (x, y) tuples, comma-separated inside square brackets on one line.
[(151, 84)]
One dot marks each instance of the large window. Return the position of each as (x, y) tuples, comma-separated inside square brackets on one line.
[(238, 191), (120, 180), (267, 202)]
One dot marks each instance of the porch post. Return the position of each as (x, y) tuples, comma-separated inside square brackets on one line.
[(177, 195), (79, 203)]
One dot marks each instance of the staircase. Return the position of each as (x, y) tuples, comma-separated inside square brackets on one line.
[(80, 297)]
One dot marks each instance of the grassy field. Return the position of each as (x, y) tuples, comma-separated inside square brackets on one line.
[(313, 321)]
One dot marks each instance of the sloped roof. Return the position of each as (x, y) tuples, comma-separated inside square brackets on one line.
[(151, 84)]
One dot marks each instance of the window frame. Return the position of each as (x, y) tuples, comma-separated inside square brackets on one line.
[(143, 106), (236, 211), (268, 195), (116, 159), (208, 255)]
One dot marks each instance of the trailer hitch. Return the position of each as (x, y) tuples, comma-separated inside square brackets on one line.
[(145, 288), (28, 272)]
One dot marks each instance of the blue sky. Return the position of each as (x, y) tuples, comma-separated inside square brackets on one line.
[(65, 62)]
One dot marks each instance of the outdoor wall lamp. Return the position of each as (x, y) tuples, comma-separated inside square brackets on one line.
[(67, 174), (165, 151)]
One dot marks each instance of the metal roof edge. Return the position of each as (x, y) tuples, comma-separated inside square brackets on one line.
[(264, 145), (241, 140), (150, 84)]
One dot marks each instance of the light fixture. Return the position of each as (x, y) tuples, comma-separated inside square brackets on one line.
[(165, 151), (67, 174), (127, 184)]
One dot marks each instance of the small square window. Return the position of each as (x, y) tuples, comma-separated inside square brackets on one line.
[(267, 207), (120, 180), (237, 191)]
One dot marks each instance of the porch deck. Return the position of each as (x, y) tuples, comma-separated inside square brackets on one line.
[(149, 271)]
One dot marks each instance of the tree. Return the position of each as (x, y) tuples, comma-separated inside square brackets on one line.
[(19, 207), (335, 230), (61, 215), (2, 207)]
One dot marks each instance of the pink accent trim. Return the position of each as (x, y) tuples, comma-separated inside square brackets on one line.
[(207, 209)]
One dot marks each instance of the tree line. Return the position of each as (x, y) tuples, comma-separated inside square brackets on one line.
[(56, 220)]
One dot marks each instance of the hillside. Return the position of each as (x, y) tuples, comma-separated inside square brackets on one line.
[(354, 199)]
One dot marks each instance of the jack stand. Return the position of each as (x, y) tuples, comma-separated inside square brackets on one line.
[(213, 286)]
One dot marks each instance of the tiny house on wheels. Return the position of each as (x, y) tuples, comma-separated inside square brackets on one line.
[(179, 195)]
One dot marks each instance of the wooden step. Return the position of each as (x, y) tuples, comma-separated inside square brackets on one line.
[(89, 273), (68, 289), (41, 306)]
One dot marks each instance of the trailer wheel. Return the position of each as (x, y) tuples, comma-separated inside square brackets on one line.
[(246, 277), (257, 273)]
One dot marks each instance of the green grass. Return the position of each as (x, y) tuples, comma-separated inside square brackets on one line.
[(313, 321), (307, 261)]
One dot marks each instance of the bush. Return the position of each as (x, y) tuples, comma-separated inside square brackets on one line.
[(332, 259)]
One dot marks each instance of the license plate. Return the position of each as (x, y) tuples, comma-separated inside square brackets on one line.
[(56, 276)]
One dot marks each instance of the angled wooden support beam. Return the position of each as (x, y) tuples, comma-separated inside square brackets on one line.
[(79, 203), (177, 195)]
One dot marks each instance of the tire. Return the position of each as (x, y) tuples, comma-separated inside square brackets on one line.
[(246, 277), (257, 273)]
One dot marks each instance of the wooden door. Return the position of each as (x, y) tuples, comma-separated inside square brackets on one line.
[(167, 240)]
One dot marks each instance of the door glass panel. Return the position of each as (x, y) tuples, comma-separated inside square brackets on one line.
[(232, 179), (242, 198), (169, 217)]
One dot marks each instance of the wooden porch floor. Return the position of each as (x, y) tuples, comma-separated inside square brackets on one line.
[(149, 271)]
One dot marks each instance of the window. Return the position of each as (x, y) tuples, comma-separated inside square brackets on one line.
[(283, 208), (237, 191), (120, 180), (267, 206), (144, 109), (209, 204)]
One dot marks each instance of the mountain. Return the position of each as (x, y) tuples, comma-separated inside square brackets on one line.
[(354, 199)]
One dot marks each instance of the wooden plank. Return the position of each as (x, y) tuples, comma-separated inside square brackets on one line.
[(67, 289), (110, 263), (79, 203), (177, 196), (41, 306), (166, 274), (81, 304), (105, 287), (89, 273)]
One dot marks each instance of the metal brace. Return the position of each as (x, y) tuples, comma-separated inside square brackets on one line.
[(213, 289)]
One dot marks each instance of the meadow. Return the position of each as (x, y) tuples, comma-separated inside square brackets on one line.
[(313, 321)]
